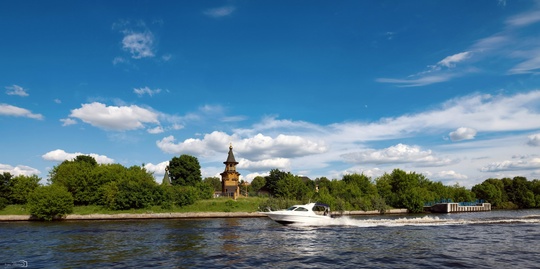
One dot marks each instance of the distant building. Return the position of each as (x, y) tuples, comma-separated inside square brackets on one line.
[(166, 180), (230, 177)]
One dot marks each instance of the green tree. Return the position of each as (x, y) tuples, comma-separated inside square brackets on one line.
[(76, 176), (48, 202), (215, 182), (185, 170), (21, 188), (137, 190), (273, 178), (291, 187), (5, 187), (257, 183), (488, 191)]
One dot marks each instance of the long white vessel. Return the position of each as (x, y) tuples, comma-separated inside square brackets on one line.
[(308, 214)]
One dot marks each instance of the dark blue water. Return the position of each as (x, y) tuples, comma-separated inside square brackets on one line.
[(498, 239)]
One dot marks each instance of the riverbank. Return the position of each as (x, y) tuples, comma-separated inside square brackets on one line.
[(187, 215)]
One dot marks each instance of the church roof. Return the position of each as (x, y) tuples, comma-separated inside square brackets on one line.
[(230, 158)]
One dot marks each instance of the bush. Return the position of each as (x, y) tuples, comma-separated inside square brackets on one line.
[(48, 202), (3, 203)]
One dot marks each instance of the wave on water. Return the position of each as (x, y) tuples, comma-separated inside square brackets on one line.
[(425, 221)]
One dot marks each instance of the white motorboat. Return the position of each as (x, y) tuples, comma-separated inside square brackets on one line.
[(308, 214)]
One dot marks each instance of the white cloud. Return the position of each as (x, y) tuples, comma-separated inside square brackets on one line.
[(119, 60), (117, 118), (534, 140), (60, 155), (220, 11), (19, 170), (68, 121), (450, 174), (450, 61), (9, 110), (138, 44), (257, 148), (526, 163), (145, 90), (463, 133), (157, 169), (267, 164), (16, 90), (399, 153), (156, 130), (524, 19), (423, 81)]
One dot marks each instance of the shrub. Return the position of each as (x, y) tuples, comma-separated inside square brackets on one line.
[(3, 203), (48, 202)]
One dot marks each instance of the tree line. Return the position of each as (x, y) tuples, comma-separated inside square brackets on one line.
[(82, 181)]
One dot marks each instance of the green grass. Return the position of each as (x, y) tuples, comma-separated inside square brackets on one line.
[(244, 204)]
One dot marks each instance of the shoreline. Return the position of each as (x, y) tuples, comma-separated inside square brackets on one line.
[(188, 215)]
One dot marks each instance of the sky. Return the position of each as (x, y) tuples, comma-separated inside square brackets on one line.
[(449, 89)]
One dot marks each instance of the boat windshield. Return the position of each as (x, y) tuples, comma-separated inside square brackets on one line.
[(297, 208)]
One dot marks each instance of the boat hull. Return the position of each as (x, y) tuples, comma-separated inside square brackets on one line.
[(285, 218)]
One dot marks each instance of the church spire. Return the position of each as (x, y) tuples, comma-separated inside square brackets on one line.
[(230, 158)]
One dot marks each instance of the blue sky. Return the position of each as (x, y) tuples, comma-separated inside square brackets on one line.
[(450, 89)]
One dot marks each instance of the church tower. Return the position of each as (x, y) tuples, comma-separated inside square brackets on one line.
[(230, 177)]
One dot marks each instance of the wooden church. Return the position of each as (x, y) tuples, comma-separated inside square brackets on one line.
[(230, 177)]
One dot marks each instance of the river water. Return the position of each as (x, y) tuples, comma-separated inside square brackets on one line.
[(497, 239)]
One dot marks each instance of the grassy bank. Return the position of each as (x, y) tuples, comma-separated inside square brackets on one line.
[(247, 204)]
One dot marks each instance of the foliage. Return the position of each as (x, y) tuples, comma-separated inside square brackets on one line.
[(291, 187), (257, 183), (215, 182), (137, 190), (204, 191), (509, 193), (5, 186), (271, 181), (3, 203), (21, 188), (48, 202), (185, 170)]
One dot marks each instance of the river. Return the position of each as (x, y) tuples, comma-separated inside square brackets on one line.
[(496, 239)]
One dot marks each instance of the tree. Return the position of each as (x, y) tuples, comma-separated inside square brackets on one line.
[(273, 178), (5, 187), (291, 187), (257, 183), (76, 177), (137, 189), (185, 170), (215, 182), (22, 187), (48, 202)]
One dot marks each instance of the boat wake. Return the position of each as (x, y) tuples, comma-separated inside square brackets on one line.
[(423, 221)]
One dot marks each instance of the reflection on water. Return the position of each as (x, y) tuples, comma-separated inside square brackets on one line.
[(479, 240)]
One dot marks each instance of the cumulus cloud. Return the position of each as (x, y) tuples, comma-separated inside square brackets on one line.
[(156, 130), (534, 140), (19, 170), (145, 90), (262, 165), (9, 110), (156, 169), (258, 147), (220, 11), (526, 163), (139, 44), (399, 153), (449, 175), (463, 133), (68, 121), (16, 90), (60, 155), (117, 118)]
